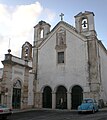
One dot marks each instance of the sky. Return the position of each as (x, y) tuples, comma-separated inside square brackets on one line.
[(18, 18)]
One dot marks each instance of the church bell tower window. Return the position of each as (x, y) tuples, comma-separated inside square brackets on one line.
[(41, 33), (26, 51), (84, 23)]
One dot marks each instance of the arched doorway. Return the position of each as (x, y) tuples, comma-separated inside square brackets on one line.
[(61, 97), (47, 97), (77, 96), (16, 98)]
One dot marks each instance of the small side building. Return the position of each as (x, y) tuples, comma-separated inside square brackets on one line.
[(16, 88)]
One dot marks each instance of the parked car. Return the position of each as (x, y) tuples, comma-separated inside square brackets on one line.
[(88, 105), (5, 112)]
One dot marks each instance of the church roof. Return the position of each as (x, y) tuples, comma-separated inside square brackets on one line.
[(26, 44), (66, 24), (41, 23), (102, 45)]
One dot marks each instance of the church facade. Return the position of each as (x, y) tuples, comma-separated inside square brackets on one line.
[(68, 64)]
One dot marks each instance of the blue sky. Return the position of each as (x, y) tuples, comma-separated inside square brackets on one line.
[(18, 17)]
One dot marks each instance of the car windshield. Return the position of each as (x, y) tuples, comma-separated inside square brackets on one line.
[(87, 101)]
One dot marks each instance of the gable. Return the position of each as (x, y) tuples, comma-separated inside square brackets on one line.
[(66, 27), (63, 39)]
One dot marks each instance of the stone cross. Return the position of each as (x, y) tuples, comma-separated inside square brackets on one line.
[(61, 15)]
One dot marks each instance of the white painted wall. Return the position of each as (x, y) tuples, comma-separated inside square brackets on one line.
[(18, 60), (73, 72), (103, 63), (18, 73)]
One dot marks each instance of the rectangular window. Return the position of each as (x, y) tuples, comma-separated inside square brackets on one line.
[(60, 57)]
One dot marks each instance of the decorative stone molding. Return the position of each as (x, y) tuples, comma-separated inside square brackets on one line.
[(61, 39)]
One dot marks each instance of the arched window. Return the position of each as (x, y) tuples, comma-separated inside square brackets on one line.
[(17, 84), (84, 23), (26, 51), (41, 33)]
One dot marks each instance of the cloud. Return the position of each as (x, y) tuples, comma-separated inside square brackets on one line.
[(50, 15), (24, 18), (17, 22), (3, 13)]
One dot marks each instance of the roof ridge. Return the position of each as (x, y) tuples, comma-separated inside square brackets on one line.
[(67, 24)]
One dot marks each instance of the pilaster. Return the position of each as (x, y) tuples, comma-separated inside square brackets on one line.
[(53, 100), (68, 100)]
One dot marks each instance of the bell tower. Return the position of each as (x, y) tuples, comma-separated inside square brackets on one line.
[(41, 31), (84, 23), (27, 51)]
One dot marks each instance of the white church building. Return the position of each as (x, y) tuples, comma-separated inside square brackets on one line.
[(64, 65)]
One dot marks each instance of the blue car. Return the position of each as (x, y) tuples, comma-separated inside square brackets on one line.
[(88, 105)]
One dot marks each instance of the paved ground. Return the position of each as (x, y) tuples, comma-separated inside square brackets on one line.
[(46, 114), (33, 109)]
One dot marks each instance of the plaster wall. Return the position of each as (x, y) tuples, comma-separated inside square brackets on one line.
[(73, 72), (103, 66)]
